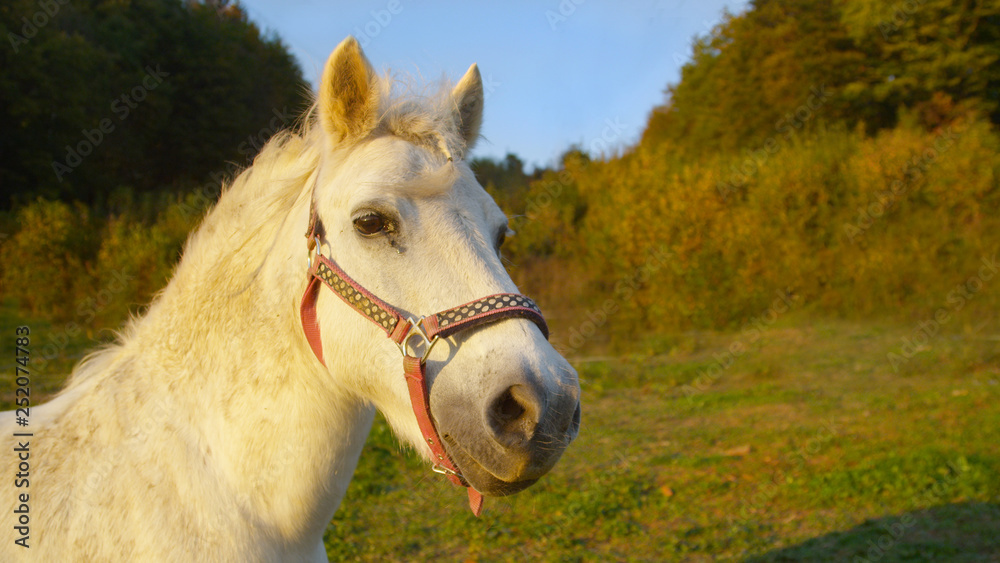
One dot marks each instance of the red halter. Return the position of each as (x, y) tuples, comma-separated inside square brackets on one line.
[(401, 330)]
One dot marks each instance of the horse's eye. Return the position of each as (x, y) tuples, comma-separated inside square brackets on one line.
[(371, 224), (502, 236)]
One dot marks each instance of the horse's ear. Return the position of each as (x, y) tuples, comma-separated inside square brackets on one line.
[(348, 93), (468, 98)]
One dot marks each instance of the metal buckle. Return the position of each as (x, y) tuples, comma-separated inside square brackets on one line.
[(417, 329), (443, 470)]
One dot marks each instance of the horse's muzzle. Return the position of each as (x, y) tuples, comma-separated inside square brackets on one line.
[(515, 437)]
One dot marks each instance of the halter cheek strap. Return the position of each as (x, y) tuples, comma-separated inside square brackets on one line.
[(402, 331)]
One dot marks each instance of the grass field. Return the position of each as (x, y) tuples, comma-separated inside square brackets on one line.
[(808, 447), (811, 445)]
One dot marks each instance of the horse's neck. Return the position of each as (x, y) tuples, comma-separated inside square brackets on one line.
[(225, 338)]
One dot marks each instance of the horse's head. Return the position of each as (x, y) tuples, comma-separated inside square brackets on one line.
[(400, 211)]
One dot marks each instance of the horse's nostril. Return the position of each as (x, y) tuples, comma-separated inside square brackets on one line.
[(513, 416), (574, 426), (507, 408)]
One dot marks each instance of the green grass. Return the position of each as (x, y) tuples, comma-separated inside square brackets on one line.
[(809, 447), (53, 351)]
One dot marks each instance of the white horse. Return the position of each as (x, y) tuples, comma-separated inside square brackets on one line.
[(212, 431)]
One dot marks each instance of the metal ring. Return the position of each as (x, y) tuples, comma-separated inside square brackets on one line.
[(317, 248), (417, 329)]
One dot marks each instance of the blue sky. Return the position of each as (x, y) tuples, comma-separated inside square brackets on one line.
[(556, 72)]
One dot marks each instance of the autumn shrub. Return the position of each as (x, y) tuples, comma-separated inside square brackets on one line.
[(46, 260), (900, 224), (136, 260), (921, 219), (65, 265), (836, 222)]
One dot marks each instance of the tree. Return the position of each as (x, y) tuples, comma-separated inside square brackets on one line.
[(750, 77), (916, 50), (760, 73), (144, 95)]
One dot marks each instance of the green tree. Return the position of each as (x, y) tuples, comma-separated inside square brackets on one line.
[(142, 95), (925, 48), (505, 180), (757, 75)]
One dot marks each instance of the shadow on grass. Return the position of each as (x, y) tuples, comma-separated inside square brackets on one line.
[(962, 532)]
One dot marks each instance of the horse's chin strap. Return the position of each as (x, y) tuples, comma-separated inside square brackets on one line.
[(402, 331)]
